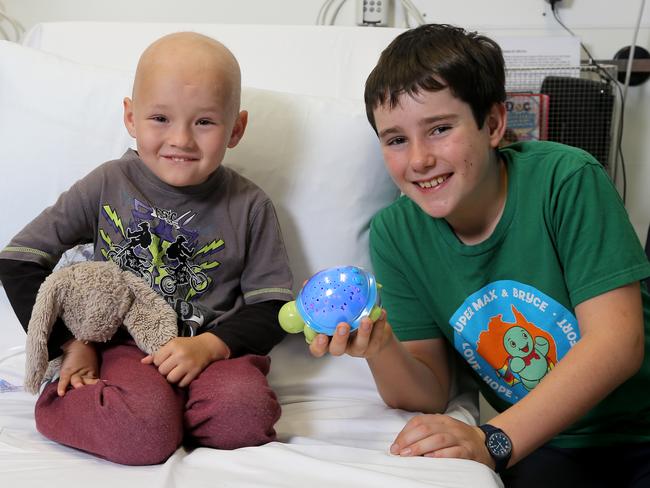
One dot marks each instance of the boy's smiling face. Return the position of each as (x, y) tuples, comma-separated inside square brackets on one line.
[(438, 157), (184, 111)]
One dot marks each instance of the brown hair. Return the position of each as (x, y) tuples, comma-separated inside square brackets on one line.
[(433, 57)]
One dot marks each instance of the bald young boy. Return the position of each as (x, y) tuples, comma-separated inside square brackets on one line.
[(204, 237)]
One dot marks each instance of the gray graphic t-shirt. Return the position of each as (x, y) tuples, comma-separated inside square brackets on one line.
[(208, 249)]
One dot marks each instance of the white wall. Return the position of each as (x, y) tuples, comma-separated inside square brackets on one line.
[(494, 14), (604, 27)]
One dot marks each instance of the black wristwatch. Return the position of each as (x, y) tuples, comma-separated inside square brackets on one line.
[(498, 445)]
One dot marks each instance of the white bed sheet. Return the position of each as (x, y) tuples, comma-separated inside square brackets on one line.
[(334, 431)]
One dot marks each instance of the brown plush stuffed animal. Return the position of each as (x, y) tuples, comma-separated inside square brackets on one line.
[(94, 299)]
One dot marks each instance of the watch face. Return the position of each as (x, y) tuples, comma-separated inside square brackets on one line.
[(499, 444)]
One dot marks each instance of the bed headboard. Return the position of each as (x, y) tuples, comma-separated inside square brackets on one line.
[(311, 60)]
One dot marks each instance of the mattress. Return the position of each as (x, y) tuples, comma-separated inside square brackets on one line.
[(334, 431)]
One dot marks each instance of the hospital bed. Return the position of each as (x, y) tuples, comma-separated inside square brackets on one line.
[(310, 148)]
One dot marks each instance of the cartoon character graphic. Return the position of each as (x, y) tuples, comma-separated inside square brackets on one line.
[(519, 351), (527, 356)]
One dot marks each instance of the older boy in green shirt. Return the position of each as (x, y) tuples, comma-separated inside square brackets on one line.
[(522, 259)]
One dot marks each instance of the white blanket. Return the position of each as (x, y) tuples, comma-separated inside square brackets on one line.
[(334, 431)]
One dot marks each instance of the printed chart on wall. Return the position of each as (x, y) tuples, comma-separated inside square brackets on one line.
[(530, 59)]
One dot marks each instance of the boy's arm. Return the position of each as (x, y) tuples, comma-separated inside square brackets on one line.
[(411, 375), (21, 281), (253, 329), (610, 350), (414, 375)]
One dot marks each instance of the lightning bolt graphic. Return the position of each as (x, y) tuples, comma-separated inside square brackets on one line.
[(210, 248), (114, 218), (107, 239)]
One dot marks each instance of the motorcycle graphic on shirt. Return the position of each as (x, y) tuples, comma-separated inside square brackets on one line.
[(126, 256), (159, 246), (185, 272), (512, 335)]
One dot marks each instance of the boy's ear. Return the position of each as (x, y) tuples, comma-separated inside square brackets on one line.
[(496, 123), (238, 129), (128, 116)]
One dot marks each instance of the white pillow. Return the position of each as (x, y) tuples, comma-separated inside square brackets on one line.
[(317, 158), (320, 162), (58, 120)]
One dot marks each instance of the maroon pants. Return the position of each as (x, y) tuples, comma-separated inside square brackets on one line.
[(134, 416)]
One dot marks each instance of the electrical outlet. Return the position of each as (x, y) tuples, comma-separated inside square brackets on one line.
[(374, 12)]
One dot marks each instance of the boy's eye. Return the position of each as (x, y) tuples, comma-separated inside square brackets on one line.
[(396, 140), (204, 122), (159, 118), (440, 129)]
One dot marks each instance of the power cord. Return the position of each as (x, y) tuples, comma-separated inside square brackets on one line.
[(619, 134), (337, 10), (321, 18), (412, 10), (15, 25)]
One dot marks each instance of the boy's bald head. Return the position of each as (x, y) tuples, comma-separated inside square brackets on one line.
[(184, 111), (199, 58)]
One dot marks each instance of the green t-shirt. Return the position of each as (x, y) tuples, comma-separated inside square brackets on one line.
[(507, 305)]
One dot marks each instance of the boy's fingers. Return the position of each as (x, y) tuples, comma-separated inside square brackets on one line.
[(369, 336), (380, 324), (381, 333), (359, 345), (83, 378), (318, 346), (62, 385), (339, 342), (147, 359), (175, 375), (455, 452), (186, 380), (416, 429), (166, 367), (76, 381), (159, 358)]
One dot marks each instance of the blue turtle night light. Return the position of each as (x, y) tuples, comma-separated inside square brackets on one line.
[(331, 296)]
